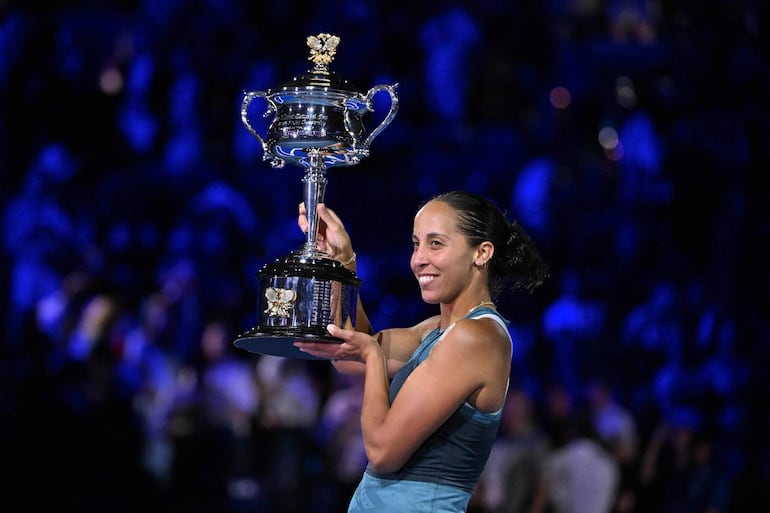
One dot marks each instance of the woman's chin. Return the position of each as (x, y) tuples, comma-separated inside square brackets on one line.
[(429, 298)]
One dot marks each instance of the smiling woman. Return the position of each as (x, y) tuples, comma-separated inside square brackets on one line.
[(433, 393)]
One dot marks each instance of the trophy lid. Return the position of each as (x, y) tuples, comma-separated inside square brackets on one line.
[(323, 47)]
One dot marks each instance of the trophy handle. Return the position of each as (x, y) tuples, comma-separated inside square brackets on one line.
[(391, 89), (247, 99)]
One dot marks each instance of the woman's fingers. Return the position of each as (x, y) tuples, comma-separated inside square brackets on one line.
[(319, 349), (336, 331), (331, 237), (302, 218), (329, 216)]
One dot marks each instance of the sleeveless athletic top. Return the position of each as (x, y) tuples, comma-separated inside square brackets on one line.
[(441, 474)]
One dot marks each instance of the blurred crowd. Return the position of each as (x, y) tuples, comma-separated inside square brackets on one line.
[(630, 137)]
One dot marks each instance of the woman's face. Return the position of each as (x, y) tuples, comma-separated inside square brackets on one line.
[(441, 259)]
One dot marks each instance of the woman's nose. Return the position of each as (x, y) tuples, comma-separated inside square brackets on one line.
[(418, 256)]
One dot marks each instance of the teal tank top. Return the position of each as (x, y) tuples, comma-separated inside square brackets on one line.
[(455, 454)]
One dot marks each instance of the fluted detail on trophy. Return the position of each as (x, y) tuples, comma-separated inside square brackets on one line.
[(314, 189)]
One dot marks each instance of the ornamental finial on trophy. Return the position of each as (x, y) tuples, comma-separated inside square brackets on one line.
[(317, 124), (323, 47)]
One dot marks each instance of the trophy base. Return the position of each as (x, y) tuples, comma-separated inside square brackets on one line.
[(280, 342), (302, 293)]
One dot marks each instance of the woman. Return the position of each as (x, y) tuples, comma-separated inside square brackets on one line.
[(429, 431)]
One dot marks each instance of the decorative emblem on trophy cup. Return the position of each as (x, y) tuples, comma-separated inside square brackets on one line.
[(318, 123)]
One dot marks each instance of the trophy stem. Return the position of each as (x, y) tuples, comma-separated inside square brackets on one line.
[(313, 193)]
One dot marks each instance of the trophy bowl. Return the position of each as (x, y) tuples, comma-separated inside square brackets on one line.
[(318, 123), (317, 112)]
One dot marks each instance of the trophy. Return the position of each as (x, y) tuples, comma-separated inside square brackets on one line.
[(317, 124)]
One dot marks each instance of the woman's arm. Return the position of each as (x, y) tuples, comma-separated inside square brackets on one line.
[(470, 363)]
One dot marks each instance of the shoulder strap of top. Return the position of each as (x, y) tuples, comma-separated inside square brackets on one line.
[(490, 313)]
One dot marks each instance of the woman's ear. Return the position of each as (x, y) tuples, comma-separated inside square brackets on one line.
[(484, 252)]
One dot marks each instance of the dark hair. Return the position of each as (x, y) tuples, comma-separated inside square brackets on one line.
[(516, 262)]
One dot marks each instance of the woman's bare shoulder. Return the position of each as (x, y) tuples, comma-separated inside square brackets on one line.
[(477, 333)]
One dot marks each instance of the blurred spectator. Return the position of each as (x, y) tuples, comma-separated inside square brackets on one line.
[(642, 183), (510, 479), (179, 283), (531, 197), (40, 234), (580, 475), (151, 372), (633, 20), (573, 323), (616, 427), (214, 460), (339, 433), (679, 471), (612, 421), (558, 410), (449, 38), (291, 408), (651, 332)]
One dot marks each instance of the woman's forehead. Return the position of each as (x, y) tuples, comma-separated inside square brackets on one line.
[(435, 216), (436, 206)]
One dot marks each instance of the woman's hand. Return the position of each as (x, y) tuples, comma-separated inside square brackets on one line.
[(332, 238), (356, 346)]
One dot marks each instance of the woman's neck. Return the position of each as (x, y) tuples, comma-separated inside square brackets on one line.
[(451, 314)]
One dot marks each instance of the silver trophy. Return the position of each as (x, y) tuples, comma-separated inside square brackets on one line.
[(317, 124)]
